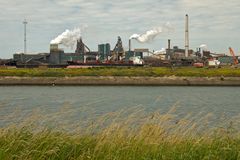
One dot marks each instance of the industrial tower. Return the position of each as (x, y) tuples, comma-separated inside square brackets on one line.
[(25, 35)]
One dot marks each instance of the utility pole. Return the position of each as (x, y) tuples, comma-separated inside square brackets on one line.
[(186, 36), (25, 35)]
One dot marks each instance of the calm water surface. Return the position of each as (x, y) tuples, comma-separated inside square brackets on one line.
[(91, 101)]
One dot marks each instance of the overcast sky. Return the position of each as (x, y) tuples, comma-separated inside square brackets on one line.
[(212, 22)]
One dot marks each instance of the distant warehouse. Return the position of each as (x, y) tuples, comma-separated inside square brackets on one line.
[(56, 56)]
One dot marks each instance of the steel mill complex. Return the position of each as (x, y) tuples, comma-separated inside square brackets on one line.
[(119, 56)]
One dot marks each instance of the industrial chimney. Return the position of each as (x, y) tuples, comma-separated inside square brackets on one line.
[(130, 45), (186, 36), (169, 49)]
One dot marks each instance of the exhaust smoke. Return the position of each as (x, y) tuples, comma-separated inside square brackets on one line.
[(204, 47), (162, 51), (69, 37), (152, 34)]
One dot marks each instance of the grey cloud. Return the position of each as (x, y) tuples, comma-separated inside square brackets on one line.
[(210, 20)]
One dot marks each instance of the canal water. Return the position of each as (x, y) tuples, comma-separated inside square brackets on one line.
[(19, 102)]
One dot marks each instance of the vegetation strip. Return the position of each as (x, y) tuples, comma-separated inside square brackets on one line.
[(123, 71), (121, 137), (23, 144)]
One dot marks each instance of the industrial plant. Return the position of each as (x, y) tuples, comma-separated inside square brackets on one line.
[(120, 56)]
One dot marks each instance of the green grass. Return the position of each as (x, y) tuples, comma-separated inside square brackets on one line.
[(123, 71), (155, 137), (47, 144)]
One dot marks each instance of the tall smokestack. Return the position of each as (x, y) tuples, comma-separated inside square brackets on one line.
[(130, 45), (186, 36), (169, 44), (169, 48), (25, 35)]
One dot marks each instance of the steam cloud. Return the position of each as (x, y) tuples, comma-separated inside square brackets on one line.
[(163, 50), (69, 37), (152, 34), (204, 47)]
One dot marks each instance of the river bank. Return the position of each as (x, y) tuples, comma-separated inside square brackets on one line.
[(122, 81)]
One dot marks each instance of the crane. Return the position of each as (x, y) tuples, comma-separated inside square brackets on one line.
[(235, 60)]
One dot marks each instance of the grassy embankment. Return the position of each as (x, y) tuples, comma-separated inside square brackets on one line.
[(131, 71), (136, 137)]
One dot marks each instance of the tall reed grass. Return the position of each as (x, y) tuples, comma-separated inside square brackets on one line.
[(129, 134)]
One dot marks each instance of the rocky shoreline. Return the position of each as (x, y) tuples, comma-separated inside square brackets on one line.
[(122, 81)]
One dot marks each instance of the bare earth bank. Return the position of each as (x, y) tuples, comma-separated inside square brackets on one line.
[(121, 80)]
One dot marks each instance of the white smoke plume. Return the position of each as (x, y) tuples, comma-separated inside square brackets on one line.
[(204, 47), (152, 34), (162, 51), (69, 37)]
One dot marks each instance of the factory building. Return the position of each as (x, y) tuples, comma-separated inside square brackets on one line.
[(82, 55), (57, 56), (226, 60), (104, 51), (136, 53), (177, 53), (141, 52), (118, 51), (41, 58)]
